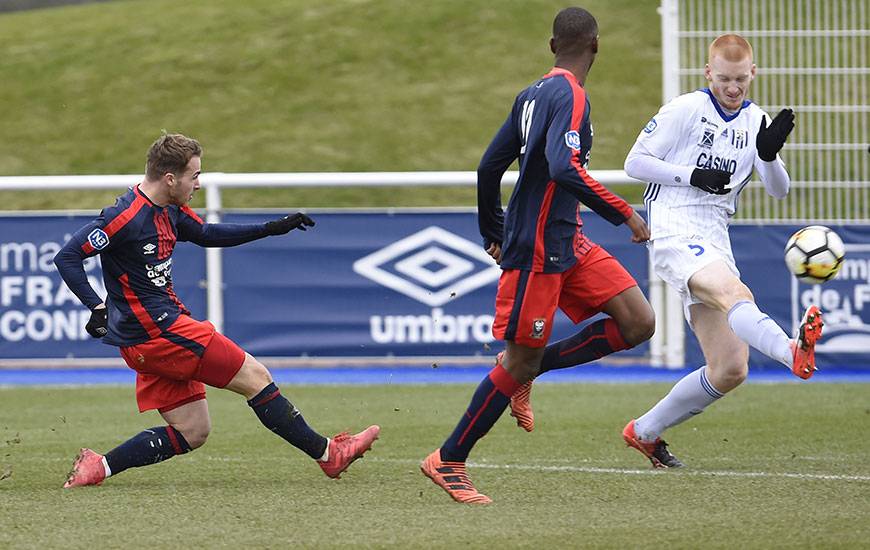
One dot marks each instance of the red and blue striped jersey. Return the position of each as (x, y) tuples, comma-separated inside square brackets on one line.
[(549, 130), (135, 239)]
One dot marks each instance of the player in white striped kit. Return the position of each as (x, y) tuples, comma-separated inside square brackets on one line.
[(698, 153)]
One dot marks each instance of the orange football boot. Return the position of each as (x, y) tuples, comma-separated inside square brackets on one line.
[(656, 451), (345, 448), (803, 347), (87, 470), (452, 477)]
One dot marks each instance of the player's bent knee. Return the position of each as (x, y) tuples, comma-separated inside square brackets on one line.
[(735, 377), (729, 375), (641, 329), (251, 378), (196, 434), (736, 293), (197, 439)]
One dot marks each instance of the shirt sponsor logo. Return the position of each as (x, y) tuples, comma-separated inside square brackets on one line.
[(707, 139), (572, 139), (98, 239), (160, 274), (650, 126), (719, 163)]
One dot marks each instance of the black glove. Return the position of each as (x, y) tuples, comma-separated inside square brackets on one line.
[(98, 322), (287, 223), (711, 180), (771, 138)]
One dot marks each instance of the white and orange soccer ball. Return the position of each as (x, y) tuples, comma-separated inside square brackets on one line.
[(814, 254)]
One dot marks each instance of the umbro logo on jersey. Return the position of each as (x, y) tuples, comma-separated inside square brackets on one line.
[(98, 239), (650, 126), (149, 248), (572, 139)]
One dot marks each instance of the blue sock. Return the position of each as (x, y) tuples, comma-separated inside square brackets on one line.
[(593, 342), (280, 416), (148, 447), (487, 404)]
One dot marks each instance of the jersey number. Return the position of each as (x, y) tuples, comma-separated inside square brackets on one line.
[(526, 123)]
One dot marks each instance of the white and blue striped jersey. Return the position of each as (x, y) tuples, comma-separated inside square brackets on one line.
[(693, 131)]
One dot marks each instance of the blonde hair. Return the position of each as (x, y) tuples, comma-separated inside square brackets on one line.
[(170, 153), (731, 47)]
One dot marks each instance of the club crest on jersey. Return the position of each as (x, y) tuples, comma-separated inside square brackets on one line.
[(149, 248), (538, 326), (572, 139), (98, 239), (650, 126), (738, 138)]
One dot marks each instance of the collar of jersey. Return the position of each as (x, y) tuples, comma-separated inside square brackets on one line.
[(144, 196), (725, 116), (555, 71)]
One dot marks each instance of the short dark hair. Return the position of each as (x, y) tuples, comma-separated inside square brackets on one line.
[(574, 29), (170, 153)]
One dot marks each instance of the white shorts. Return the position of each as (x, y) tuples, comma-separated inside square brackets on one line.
[(675, 259)]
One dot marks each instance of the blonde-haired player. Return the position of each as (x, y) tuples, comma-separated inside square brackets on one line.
[(697, 153)]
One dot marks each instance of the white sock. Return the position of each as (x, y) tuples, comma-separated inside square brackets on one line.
[(106, 467), (325, 456), (690, 396), (761, 332)]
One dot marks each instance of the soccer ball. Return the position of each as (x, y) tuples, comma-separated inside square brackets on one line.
[(814, 254)]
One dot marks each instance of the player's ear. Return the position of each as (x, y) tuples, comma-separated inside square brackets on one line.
[(594, 45), (553, 45), (708, 73), (752, 71)]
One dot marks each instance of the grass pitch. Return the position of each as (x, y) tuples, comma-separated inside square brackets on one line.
[(296, 86), (769, 466)]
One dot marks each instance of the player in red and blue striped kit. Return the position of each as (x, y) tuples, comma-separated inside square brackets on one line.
[(174, 355), (546, 259)]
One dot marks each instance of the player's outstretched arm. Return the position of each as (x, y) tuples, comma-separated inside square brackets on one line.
[(191, 228)]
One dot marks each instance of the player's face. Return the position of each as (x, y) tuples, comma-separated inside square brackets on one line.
[(729, 80), (182, 191)]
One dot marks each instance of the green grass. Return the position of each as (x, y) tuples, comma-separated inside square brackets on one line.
[(377, 85), (571, 483)]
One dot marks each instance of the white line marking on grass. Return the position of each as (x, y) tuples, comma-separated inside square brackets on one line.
[(623, 471)]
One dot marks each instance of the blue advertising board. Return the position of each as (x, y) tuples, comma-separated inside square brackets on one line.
[(377, 284), (39, 316)]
